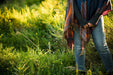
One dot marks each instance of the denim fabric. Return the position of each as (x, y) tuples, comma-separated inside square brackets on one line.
[(100, 44)]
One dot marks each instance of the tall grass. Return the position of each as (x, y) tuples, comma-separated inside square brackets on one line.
[(32, 40), (35, 62), (40, 62), (39, 23)]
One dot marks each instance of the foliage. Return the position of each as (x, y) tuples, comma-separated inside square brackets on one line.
[(31, 33), (34, 24), (30, 2), (41, 62), (35, 62), (8, 60)]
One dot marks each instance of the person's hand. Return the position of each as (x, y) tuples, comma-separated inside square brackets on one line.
[(88, 25)]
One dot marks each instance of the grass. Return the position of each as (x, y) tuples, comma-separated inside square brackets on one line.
[(36, 62), (40, 62), (31, 37), (36, 22)]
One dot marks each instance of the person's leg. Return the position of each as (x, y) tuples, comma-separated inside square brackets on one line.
[(101, 45), (80, 60)]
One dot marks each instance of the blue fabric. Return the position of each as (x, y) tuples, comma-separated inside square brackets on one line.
[(92, 6), (100, 44)]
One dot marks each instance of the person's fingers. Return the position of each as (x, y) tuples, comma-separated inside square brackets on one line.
[(85, 26), (90, 24)]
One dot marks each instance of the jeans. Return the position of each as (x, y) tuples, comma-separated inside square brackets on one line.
[(100, 44)]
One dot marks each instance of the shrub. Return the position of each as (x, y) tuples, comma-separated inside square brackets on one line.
[(36, 27), (8, 60)]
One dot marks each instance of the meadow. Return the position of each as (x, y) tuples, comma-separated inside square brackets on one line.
[(32, 43)]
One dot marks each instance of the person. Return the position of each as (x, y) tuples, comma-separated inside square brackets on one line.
[(83, 19)]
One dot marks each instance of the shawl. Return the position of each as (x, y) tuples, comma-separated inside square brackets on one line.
[(81, 12)]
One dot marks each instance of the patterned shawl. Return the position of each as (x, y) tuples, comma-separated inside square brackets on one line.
[(81, 12)]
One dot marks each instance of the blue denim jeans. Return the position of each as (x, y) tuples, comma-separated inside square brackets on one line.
[(100, 44)]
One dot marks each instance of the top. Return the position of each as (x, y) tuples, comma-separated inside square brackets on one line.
[(90, 6), (79, 13)]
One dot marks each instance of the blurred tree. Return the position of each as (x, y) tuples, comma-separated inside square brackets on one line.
[(2, 1), (5, 1)]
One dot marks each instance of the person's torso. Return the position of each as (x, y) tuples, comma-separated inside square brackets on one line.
[(89, 6)]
